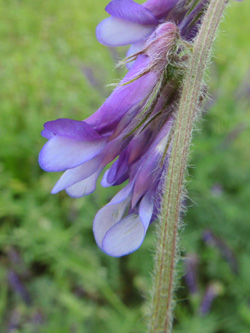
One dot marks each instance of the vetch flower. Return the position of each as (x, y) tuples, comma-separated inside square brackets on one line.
[(133, 23), (80, 146), (118, 232), (213, 290), (132, 128)]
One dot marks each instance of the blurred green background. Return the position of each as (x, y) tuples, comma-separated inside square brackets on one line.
[(53, 278)]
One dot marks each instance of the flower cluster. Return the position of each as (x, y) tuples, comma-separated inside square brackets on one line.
[(133, 126)]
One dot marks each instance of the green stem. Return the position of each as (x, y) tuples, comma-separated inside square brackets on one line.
[(167, 252)]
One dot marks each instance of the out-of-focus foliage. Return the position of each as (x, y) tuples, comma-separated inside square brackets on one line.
[(53, 278)]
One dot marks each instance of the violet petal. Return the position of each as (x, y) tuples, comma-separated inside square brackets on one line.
[(131, 11), (47, 134), (75, 175), (160, 8), (123, 98), (61, 153), (104, 181), (124, 237), (114, 31), (75, 129), (146, 208), (110, 214), (84, 187)]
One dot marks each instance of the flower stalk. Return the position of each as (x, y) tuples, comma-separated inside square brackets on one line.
[(166, 258)]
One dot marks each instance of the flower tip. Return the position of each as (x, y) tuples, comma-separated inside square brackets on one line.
[(114, 31), (83, 187), (124, 237)]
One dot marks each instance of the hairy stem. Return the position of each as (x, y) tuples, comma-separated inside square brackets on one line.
[(167, 252)]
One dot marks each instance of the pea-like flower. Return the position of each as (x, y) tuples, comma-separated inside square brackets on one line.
[(133, 127), (133, 23)]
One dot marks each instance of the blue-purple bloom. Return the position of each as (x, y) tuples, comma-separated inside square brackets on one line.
[(211, 293), (132, 23), (191, 265), (133, 126)]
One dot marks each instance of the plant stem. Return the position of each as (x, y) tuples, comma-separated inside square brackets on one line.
[(167, 252)]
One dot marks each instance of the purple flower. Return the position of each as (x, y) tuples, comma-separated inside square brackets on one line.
[(121, 233), (132, 128), (132, 23), (191, 265), (213, 290), (83, 148), (134, 125)]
